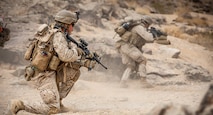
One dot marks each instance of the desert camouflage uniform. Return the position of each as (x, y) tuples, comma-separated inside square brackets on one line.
[(54, 66), (130, 46), (46, 83), (53, 80)]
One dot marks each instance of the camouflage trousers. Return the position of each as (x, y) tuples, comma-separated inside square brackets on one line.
[(134, 59), (53, 88), (131, 55), (66, 78), (47, 87)]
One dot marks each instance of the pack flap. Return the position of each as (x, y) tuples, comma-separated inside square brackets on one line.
[(46, 37), (42, 29)]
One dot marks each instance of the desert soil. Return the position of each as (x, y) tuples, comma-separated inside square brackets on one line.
[(105, 98)]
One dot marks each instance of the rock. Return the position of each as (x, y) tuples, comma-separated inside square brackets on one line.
[(171, 109), (206, 105), (147, 51), (163, 68), (169, 52), (194, 72), (161, 51), (176, 69)]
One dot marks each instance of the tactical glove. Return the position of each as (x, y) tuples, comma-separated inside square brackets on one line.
[(80, 51), (90, 64)]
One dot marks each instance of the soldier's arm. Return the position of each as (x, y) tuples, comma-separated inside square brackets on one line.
[(141, 31), (65, 53)]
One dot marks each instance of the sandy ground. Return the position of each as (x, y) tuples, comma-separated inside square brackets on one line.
[(105, 98)]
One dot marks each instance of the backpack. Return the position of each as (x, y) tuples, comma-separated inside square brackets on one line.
[(127, 26), (40, 51)]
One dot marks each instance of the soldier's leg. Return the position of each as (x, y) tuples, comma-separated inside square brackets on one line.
[(142, 74), (125, 77), (130, 67), (142, 68), (65, 87), (138, 57), (49, 93), (14, 106), (130, 56), (132, 52)]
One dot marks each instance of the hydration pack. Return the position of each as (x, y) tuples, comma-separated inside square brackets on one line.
[(40, 51)]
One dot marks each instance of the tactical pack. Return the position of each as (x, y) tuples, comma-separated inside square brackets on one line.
[(127, 26), (40, 51)]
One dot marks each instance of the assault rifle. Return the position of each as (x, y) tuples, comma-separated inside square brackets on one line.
[(156, 33), (83, 45)]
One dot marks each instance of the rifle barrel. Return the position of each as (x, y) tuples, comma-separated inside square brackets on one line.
[(84, 48)]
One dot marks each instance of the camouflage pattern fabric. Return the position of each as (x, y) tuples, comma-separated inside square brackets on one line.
[(130, 46), (72, 75), (46, 84), (65, 53), (131, 49)]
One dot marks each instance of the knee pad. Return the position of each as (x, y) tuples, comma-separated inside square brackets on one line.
[(53, 110), (48, 96)]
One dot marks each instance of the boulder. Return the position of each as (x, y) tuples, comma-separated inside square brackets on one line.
[(169, 52), (171, 109)]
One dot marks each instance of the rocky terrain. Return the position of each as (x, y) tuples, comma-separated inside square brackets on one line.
[(181, 72)]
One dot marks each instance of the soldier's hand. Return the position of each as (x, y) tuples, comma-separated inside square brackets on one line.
[(80, 51), (90, 64), (90, 55)]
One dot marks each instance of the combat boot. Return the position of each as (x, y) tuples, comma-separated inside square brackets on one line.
[(145, 84), (63, 108), (14, 107)]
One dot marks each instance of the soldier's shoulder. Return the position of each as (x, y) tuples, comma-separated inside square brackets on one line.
[(138, 28)]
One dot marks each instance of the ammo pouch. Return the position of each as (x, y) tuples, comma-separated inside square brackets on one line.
[(29, 73), (120, 30), (126, 36), (75, 65), (29, 52), (41, 60), (124, 39), (55, 61)]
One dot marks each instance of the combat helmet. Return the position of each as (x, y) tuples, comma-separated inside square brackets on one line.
[(146, 20), (65, 16)]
